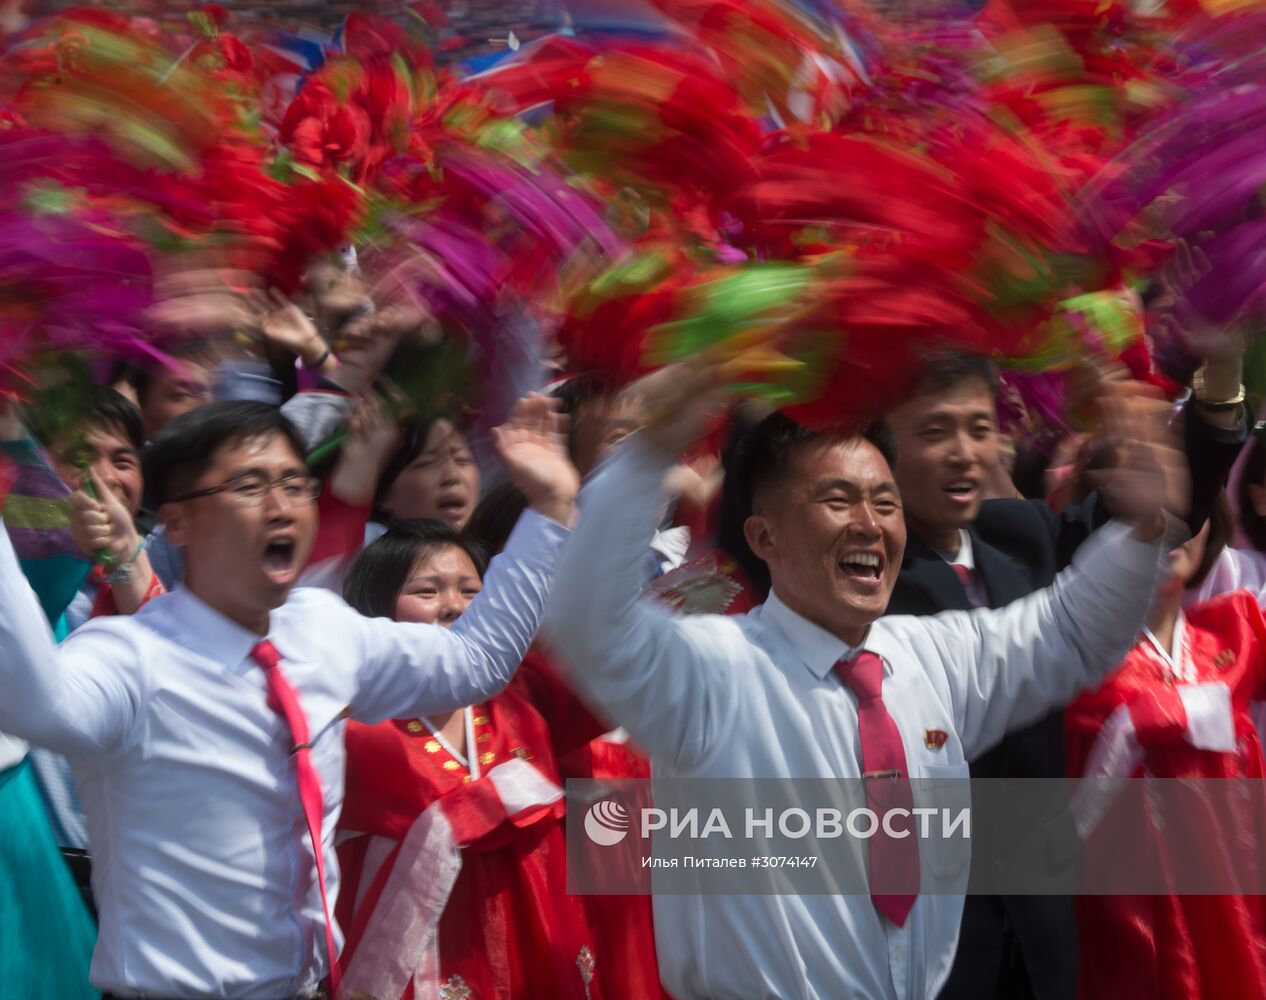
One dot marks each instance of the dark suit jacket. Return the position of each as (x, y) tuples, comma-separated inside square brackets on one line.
[(1018, 546)]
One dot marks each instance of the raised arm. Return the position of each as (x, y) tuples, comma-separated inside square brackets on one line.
[(1211, 442), (83, 696), (412, 669), (668, 681), (1009, 666), (424, 669)]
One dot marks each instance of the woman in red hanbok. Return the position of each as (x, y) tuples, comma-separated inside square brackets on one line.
[(453, 853), (1182, 705)]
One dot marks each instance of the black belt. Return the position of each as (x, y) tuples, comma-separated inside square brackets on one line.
[(80, 865)]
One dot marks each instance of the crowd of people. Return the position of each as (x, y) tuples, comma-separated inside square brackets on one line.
[(228, 658), (381, 449)]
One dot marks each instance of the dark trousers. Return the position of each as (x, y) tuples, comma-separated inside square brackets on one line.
[(80, 865)]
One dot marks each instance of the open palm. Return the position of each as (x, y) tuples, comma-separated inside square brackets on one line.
[(530, 445)]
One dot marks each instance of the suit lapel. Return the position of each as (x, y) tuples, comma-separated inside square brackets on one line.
[(923, 570), (932, 586), (1004, 580)]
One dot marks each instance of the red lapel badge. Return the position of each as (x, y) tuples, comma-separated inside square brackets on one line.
[(934, 739)]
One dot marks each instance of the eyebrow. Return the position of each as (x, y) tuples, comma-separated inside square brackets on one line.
[(255, 470), (887, 486), (936, 415), (446, 446)]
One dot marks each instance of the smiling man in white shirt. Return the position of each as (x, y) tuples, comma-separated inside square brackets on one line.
[(200, 782), (763, 696)]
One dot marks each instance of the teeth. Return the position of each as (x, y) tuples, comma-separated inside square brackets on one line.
[(862, 559)]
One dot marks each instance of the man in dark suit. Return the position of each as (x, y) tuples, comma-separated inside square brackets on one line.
[(965, 551)]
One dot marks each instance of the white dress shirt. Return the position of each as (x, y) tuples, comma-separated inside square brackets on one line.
[(756, 696), (966, 556), (203, 872)]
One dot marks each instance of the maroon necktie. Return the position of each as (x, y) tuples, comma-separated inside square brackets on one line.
[(283, 700), (966, 577), (894, 862)]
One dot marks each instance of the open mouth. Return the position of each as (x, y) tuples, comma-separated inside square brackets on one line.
[(962, 490), (451, 507), (862, 565), (279, 560)]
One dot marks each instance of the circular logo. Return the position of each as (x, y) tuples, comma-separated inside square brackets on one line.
[(607, 823)]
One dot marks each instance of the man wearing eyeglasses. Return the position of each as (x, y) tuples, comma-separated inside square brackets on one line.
[(206, 730)]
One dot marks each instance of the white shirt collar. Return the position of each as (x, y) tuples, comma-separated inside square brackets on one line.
[(817, 648), (203, 630), (964, 555)]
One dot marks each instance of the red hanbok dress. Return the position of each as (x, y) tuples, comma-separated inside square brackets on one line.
[(1189, 712), (454, 878)]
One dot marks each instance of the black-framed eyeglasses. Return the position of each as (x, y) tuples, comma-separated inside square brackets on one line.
[(250, 489)]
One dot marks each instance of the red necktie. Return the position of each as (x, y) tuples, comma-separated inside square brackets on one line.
[(283, 700), (894, 862), (966, 577)]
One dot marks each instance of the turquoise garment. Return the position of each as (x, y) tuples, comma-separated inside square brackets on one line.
[(46, 932), (56, 580)]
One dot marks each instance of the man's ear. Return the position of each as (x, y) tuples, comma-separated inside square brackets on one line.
[(1257, 496), (759, 537), (174, 518)]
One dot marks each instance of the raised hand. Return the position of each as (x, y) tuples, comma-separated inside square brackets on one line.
[(1220, 344), (336, 295), (372, 439), (285, 326), (365, 345), (678, 403), (532, 448), (205, 303), (1150, 476), (100, 522), (695, 482), (102, 527)]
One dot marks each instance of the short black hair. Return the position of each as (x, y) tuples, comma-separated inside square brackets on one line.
[(946, 368), (204, 353), (83, 406), (412, 441), (185, 448), (575, 393), (765, 452), (1254, 471), (494, 517), (374, 580)]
